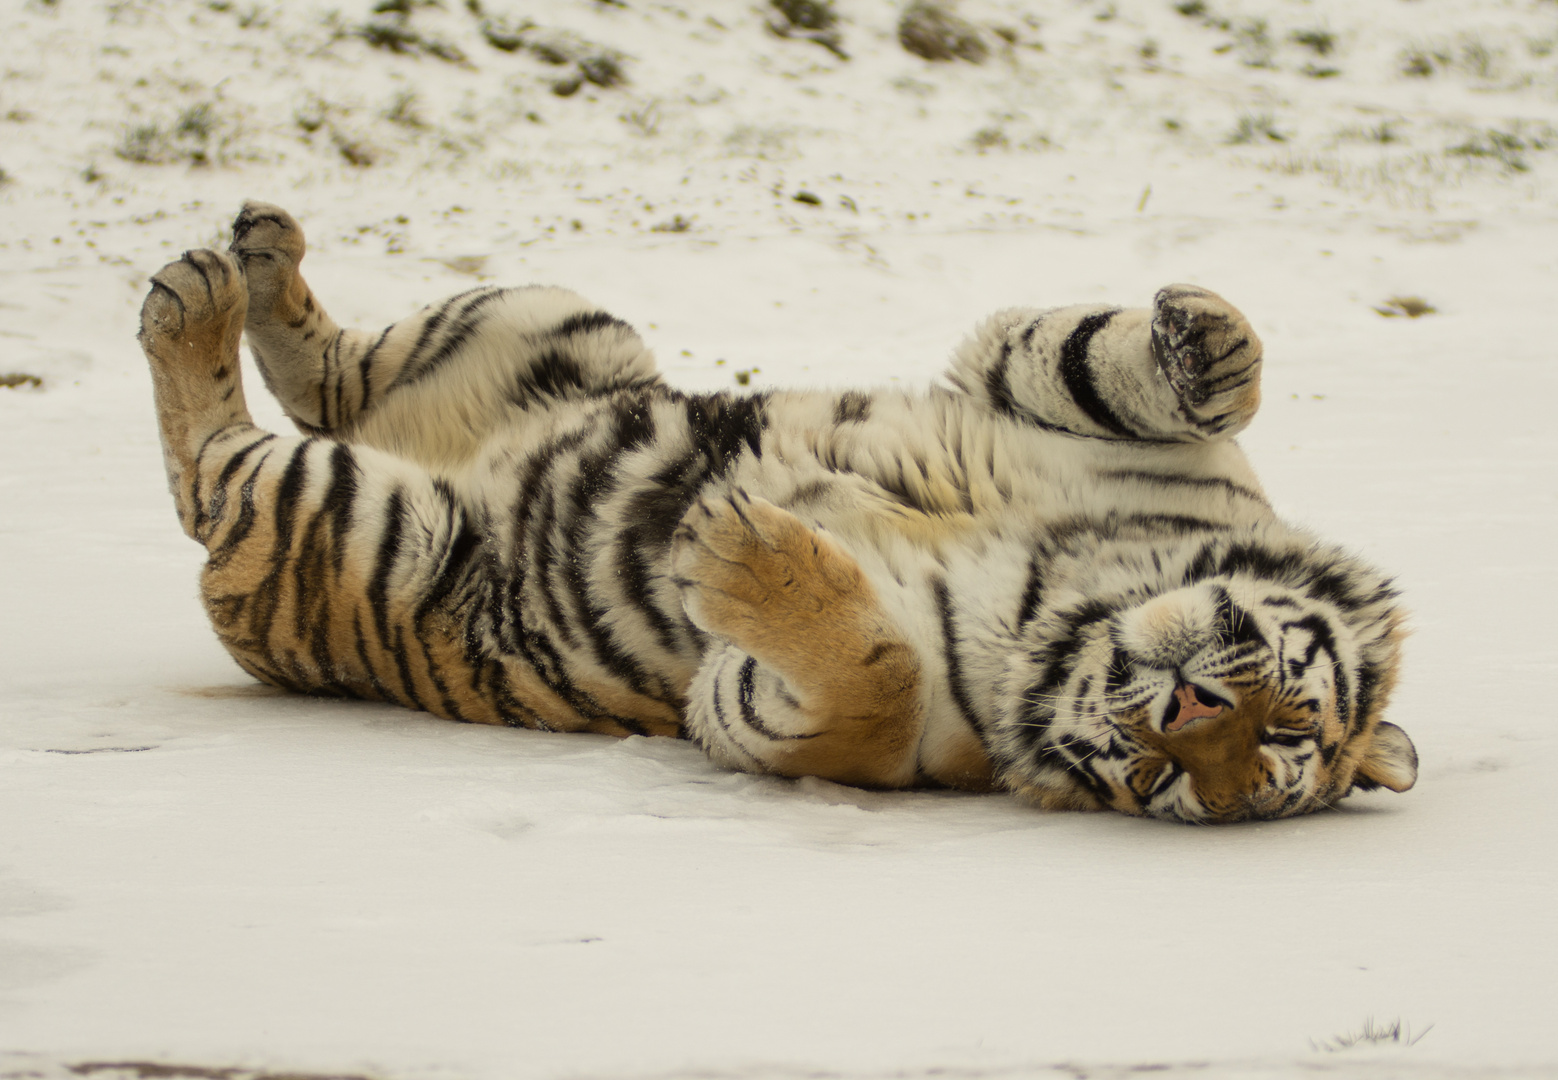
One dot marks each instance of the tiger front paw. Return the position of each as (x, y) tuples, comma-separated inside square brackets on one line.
[(1209, 354), (756, 576)]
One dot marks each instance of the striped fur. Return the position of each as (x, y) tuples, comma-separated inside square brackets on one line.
[(1059, 577)]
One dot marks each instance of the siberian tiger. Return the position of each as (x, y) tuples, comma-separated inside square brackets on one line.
[(1056, 576)]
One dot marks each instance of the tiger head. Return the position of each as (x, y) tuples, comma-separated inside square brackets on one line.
[(1232, 698)]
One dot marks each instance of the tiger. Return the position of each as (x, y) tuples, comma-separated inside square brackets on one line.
[(1053, 574)]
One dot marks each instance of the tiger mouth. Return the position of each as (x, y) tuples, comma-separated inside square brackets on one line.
[(1189, 703)]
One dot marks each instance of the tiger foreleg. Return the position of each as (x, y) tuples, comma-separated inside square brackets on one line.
[(1186, 369), (812, 680)]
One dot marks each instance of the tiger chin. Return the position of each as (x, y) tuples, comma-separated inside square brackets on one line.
[(1054, 574)]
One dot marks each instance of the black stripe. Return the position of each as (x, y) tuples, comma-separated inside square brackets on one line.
[(552, 374), (530, 568), (239, 531), (1032, 593), (996, 385), (382, 691), (218, 503), (1031, 329), (593, 484), (1078, 374), (430, 327), (954, 663), (853, 407), (267, 595), (457, 560), (340, 380), (1147, 476), (339, 500), (1177, 524), (365, 367), (715, 684), (1242, 629), (385, 558), (586, 322), (746, 691), (463, 327)]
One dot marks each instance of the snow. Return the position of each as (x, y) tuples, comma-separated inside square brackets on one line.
[(197, 872)]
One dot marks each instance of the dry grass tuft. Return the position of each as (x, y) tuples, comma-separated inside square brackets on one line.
[(931, 30), (1412, 307)]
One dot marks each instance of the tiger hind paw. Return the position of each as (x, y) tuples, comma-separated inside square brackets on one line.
[(1209, 354), (194, 314), (269, 242)]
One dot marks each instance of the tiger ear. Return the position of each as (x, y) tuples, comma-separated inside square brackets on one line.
[(1390, 761)]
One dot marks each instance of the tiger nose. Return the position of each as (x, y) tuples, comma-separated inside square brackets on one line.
[(1191, 703)]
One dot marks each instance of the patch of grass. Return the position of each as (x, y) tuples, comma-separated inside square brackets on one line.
[(1253, 38), (644, 121), (188, 139), (930, 30), (1384, 133), (144, 144), (989, 138), (1256, 128), (1469, 55), (591, 63), (677, 224), (1505, 147), (198, 122), (6, 179), (504, 35), (1476, 59), (1412, 307), (1191, 9), (311, 115), (807, 14), (603, 69), (1322, 41), (808, 20), (807, 197), (1317, 71), (403, 111), (354, 152), (767, 143), (1372, 1034), (397, 36)]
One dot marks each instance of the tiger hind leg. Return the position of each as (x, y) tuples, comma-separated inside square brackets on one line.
[(812, 679), (191, 323), (332, 568), (1187, 369), (430, 387)]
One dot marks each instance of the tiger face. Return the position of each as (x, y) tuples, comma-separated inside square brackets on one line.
[(1224, 701)]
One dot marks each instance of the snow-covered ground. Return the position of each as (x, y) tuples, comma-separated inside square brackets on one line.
[(195, 872)]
